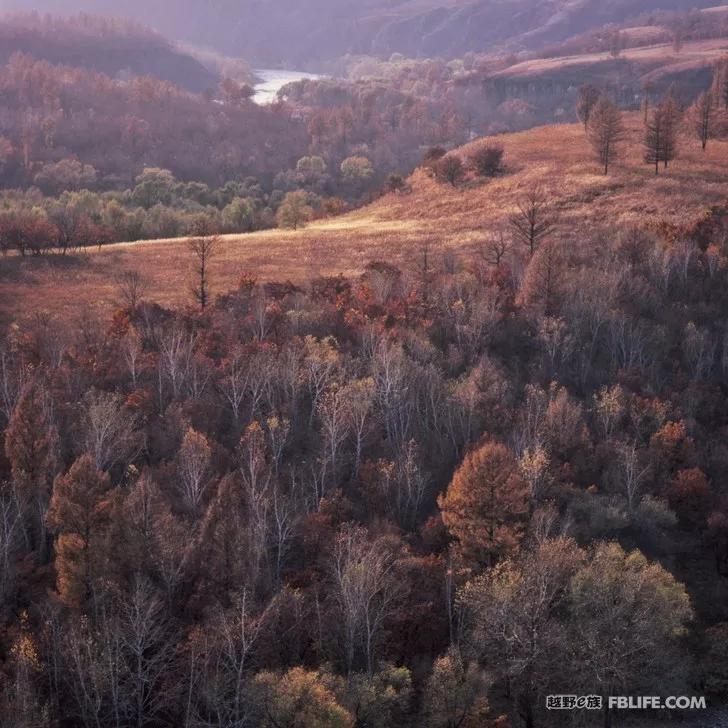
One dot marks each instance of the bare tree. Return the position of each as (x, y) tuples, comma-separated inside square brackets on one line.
[(605, 131), (702, 115), (109, 429), (632, 473), (145, 643), (333, 413), (204, 250), (588, 97), (365, 588), (533, 220), (131, 287), (193, 467), (494, 249)]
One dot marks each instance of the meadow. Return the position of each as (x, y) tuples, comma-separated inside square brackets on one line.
[(557, 159)]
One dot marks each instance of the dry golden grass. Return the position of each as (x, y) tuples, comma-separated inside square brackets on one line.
[(660, 57), (557, 158)]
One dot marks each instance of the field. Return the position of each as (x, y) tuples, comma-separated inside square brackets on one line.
[(557, 158)]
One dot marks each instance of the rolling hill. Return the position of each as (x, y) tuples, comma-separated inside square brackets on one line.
[(297, 33), (394, 228), (110, 46)]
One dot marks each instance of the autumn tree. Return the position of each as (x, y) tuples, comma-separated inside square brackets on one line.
[(295, 210), (702, 116), (296, 698), (78, 513), (486, 504), (450, 169), (204, 251), (605, 131), (588, 97), (661, 131), (456, 693), (514, 614), (32, 449), (533, 220), (544, 281), (629, 615)]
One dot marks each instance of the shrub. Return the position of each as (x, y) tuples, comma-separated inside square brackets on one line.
[(487, 161)]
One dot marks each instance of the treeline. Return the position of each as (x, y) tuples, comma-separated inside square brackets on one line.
[(157, 206), (334, 504)]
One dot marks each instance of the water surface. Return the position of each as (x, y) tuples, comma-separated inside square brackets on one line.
[(271, 81)]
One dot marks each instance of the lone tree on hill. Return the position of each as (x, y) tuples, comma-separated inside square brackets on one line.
[(605, 131), (204, 250), (294, 211), (534, 220), (702, 116)]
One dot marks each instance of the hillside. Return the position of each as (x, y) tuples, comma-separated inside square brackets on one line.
[(394, 228), (113, 47), (636, 65), (293, 33)]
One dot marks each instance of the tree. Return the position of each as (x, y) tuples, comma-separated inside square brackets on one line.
[(450, 169), (203, 250), (356, 173), (32, 448), (153, 186), (629, 615), (486, 504), (514, 619), (702, 115), (588, 97), (109, 428), (364, 587), (533, 220), (455, 695), (661, 133), (382, 700), (296, 699), (238, 215), (295, 210), (616, 43), (655, 133), (131, 286), (543, 282), (605, 131), (487, 160), (193, 468), (78, 514)]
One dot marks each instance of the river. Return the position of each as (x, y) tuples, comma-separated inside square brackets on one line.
[(271, 81)]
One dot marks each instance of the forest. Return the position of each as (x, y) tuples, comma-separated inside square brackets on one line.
[(483, 466)]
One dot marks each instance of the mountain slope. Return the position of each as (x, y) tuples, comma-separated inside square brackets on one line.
[(111, 47), (394, 228), (304, 32)]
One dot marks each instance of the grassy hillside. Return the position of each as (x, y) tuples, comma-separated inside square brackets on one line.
[(650, 62), (558, 158)]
